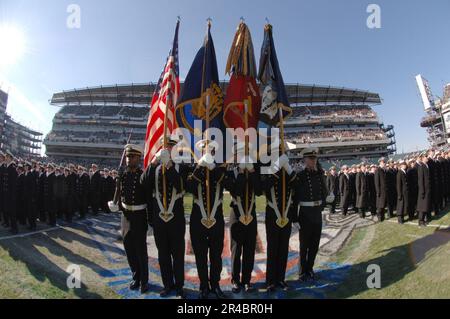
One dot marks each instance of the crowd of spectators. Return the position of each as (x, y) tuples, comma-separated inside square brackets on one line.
[(335, 135), (93, 137), (95, 111), (324, 111)]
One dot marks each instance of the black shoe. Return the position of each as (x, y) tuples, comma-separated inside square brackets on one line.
[(144, 288), (284, 285), (312, 275), (249, 288), (236, 287), (181, 294), (303, 277), (134, 285), (271, 288), (165, 292), (219, 293), (203, 294)]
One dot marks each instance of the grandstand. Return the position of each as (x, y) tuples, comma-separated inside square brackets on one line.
[(94, 123), (340, 121), (15, 137)]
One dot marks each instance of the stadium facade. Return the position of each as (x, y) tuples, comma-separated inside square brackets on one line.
[(94, 123), (22, 141), (437, 109)]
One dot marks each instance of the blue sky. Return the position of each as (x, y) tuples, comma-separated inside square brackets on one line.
[(320, 42)]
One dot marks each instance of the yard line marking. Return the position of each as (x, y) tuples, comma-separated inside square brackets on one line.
[(30, 234), (416, 224)]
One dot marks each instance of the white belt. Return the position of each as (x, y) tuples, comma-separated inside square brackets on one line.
[(273, 204), (199, 202), (134, 208), (311, 204), (175, 196)]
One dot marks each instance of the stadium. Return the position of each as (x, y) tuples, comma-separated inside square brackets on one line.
[(94, 123), (15, 137)]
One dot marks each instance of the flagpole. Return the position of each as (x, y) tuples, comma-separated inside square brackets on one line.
[(168, 106), (283, 172), (208, 196), (168, 101), (246, 154)]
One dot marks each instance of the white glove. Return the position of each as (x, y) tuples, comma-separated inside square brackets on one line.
[(211, 166), (114, 208), (157, 157), (288, 168), (330, 198), (246, 164), (284, 160), (164, 156), (207, 160)]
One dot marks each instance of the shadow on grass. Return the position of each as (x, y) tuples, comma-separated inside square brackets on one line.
[(395, 263), (26, 250)]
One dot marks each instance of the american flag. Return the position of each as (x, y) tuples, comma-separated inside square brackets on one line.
[(164, 101)]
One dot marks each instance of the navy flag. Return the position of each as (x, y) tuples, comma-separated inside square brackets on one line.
[(201, 81), (274, 94)]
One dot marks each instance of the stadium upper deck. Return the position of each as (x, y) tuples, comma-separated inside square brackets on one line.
[(95, 122)]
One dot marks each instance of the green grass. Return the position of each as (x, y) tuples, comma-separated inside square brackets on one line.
[(260, 204), (414, 262), (35, 267)]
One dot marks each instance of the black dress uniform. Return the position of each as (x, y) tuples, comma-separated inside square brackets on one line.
[(71, 181), (169, 235), (434, 186), (2, 170), (243, 234), (31, 184), (21, 197), (207, 240), (362, 191), (278, 237), (333, 187), (411, 175), (424, 204), (95, 192), (135, 224), (109, 187), (82, 193), (380, 188), (344, 188), (352, 188), (41, 195), (49, 198), (311, 193), (10, 196), (402, 195), (372, 201), (60, 192), (391, 192)]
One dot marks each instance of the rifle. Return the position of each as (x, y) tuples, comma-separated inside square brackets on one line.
[(118, 180)]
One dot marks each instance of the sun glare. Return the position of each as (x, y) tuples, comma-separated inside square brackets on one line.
[(12, 45)]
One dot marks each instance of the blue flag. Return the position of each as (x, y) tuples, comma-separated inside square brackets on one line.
[(201, 96), (274, 95)]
